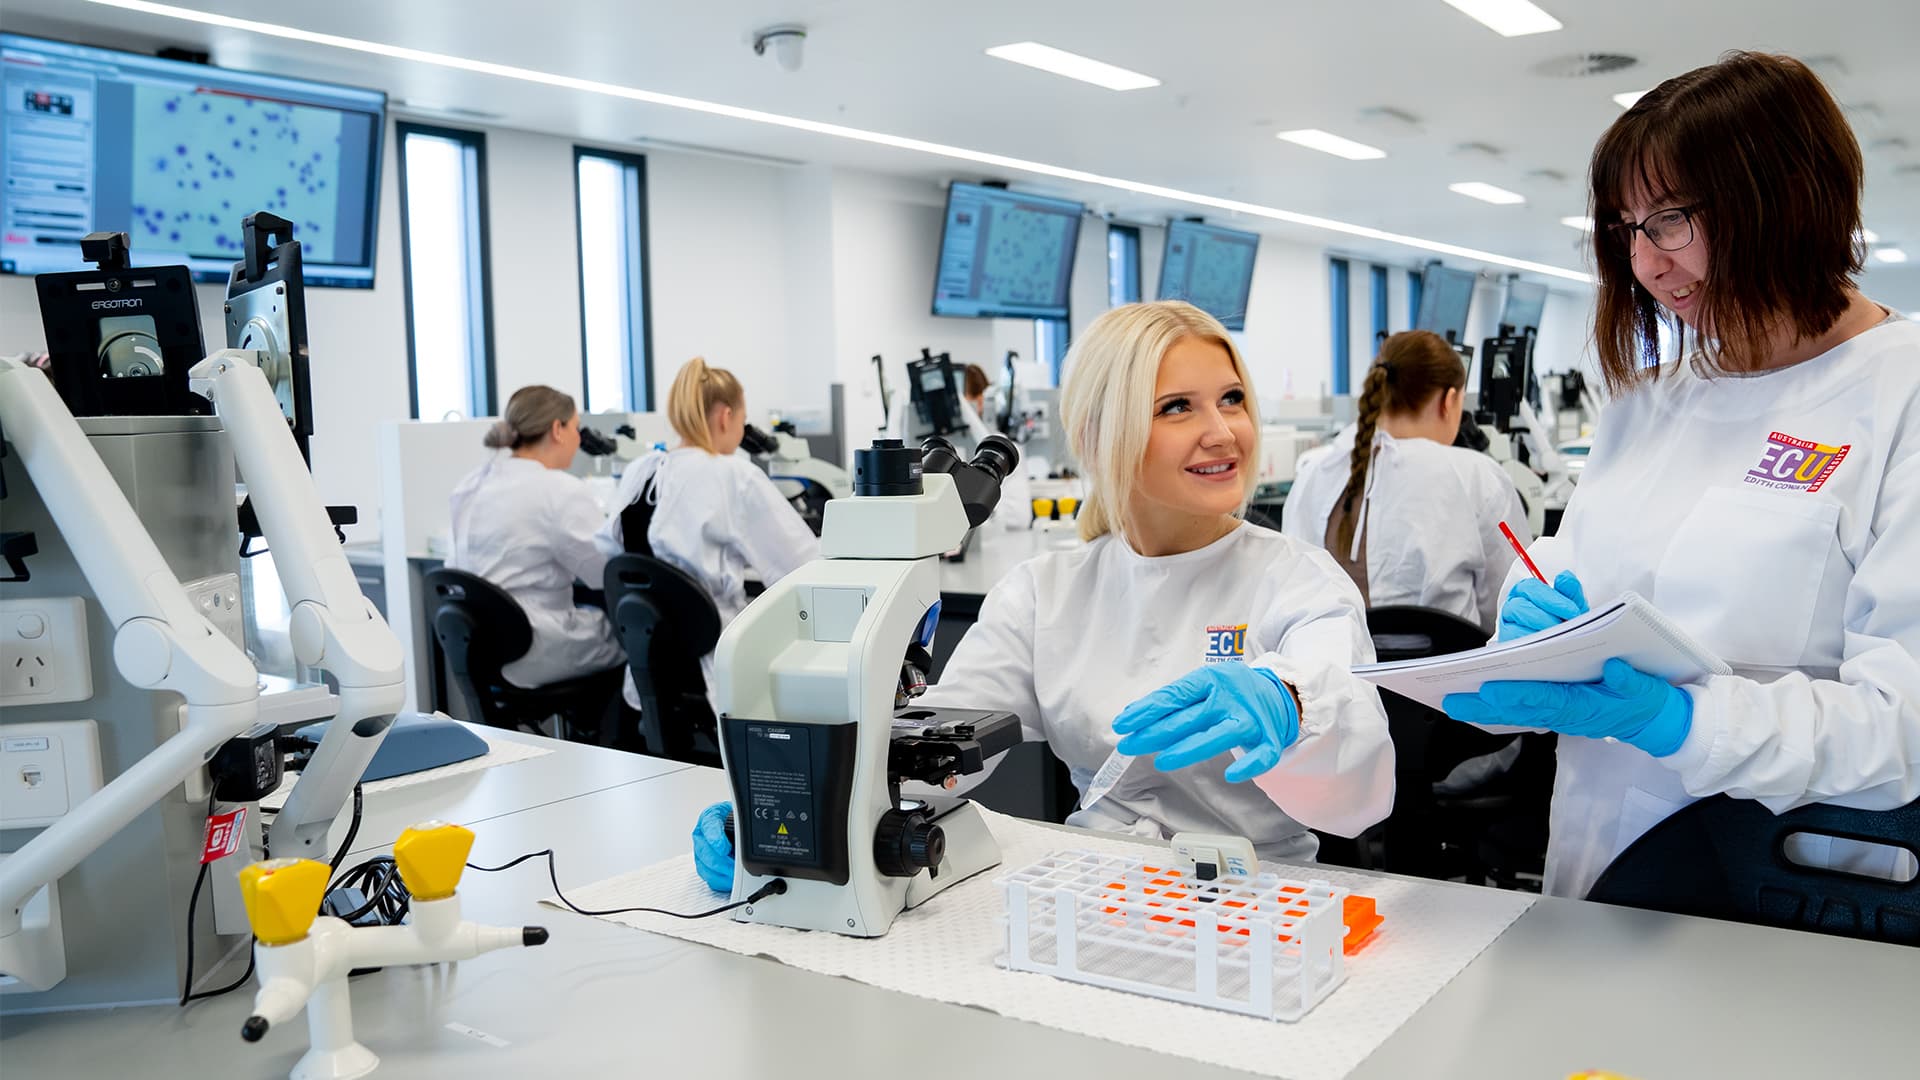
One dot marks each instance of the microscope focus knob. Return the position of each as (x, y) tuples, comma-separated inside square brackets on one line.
[(431, 856), (282, 898), (907, 842)]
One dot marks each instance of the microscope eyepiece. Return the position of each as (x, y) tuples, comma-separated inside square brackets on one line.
[(997, 454)]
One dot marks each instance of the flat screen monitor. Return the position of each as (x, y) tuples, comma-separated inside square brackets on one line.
[(1005, 254), (1445, 296), (175, 154), (1526, 302), (1210, 268)]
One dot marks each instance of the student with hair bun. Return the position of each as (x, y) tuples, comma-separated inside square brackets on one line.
[(704, 508), (1412, 518), (524, 523)]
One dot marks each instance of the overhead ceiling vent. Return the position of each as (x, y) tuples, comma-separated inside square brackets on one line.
[(1909, 173), (446, 110), (1584, 65), (1547, 176)]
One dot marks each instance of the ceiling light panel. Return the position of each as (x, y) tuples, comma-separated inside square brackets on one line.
[(1329, 143), (1474, 189), (1627, 100), (1508, 18), (1578, 221), (1889, 255), (841, 131), (1072, 65)]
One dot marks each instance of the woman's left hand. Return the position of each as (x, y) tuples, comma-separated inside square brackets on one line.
[(1627, 704), (1210, 711)]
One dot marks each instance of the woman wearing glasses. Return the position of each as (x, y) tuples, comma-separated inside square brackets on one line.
[(1760, 483)]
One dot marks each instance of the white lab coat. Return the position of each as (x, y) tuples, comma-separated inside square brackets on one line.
[(1812, 596), (1069, 639), (720, 519), (529, 529), (1430, 515)]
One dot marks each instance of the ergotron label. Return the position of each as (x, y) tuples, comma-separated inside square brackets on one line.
[(780, 811)]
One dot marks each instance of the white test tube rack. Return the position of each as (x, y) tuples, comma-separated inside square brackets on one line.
[(1263, 946)]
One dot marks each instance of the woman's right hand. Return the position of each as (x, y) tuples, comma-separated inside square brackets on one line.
[(1532, 607)]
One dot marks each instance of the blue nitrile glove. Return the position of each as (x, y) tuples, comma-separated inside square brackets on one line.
[(1532, 607), (1209, 711), (1627, 704), (712, 851)]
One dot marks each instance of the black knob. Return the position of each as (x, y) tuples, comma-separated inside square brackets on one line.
[(907, 842), (255, 1027), (533, 935)]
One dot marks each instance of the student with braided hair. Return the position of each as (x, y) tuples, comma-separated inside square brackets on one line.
[(1412, 518)]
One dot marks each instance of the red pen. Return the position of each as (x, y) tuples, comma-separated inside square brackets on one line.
[(1522, 552)]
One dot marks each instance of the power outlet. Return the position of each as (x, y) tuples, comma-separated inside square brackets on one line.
[(46, 769), (43, 651)]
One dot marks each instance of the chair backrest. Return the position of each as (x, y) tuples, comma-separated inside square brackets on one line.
[(1405, 632), (1427, 745), (667, 622), (481, 629), (1726, 858)]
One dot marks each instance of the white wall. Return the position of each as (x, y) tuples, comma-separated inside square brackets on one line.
[(886, 237)]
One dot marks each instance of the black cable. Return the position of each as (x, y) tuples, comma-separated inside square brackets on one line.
[(772, 888), (193, 907), (353, 830)]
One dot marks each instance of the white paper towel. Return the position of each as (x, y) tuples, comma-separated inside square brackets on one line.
[(946, 950)]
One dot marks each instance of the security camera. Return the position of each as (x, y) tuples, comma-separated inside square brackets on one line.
[(786, 42)]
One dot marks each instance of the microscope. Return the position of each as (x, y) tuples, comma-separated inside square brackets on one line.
[(1516, 438), (814, 684)]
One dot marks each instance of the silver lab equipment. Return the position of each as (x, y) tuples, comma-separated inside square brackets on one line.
[(813, 684), (179, 471)]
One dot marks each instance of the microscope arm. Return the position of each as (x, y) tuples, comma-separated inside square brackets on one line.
[(160, 641), (333, 624)]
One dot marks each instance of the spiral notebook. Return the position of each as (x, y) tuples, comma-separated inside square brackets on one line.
[(1629, 628)]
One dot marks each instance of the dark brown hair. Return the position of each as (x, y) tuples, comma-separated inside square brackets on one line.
[(1413, 365), (975, 382), (531, 413), (1756, 145)]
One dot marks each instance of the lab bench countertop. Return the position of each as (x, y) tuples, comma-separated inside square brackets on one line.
[(1569, 986)]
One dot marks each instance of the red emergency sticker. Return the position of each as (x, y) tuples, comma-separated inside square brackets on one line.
[(223, 835)]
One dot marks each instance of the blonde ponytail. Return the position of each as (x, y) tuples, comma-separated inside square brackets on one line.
[(695, 392)]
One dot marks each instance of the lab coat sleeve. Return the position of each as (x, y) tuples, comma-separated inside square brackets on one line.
[(769, 531), (1853, 740), (576, 521), (992, 667), (1338, 776)]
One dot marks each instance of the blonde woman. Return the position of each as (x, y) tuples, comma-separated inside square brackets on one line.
[(1177, 630), (522, 522), (709, 511)]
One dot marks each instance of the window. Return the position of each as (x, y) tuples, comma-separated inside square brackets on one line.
[(1342, 332), (1050, 345), (1378, 276), (610, 192), (1414, 281), (443, 232), (1123, 265)]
